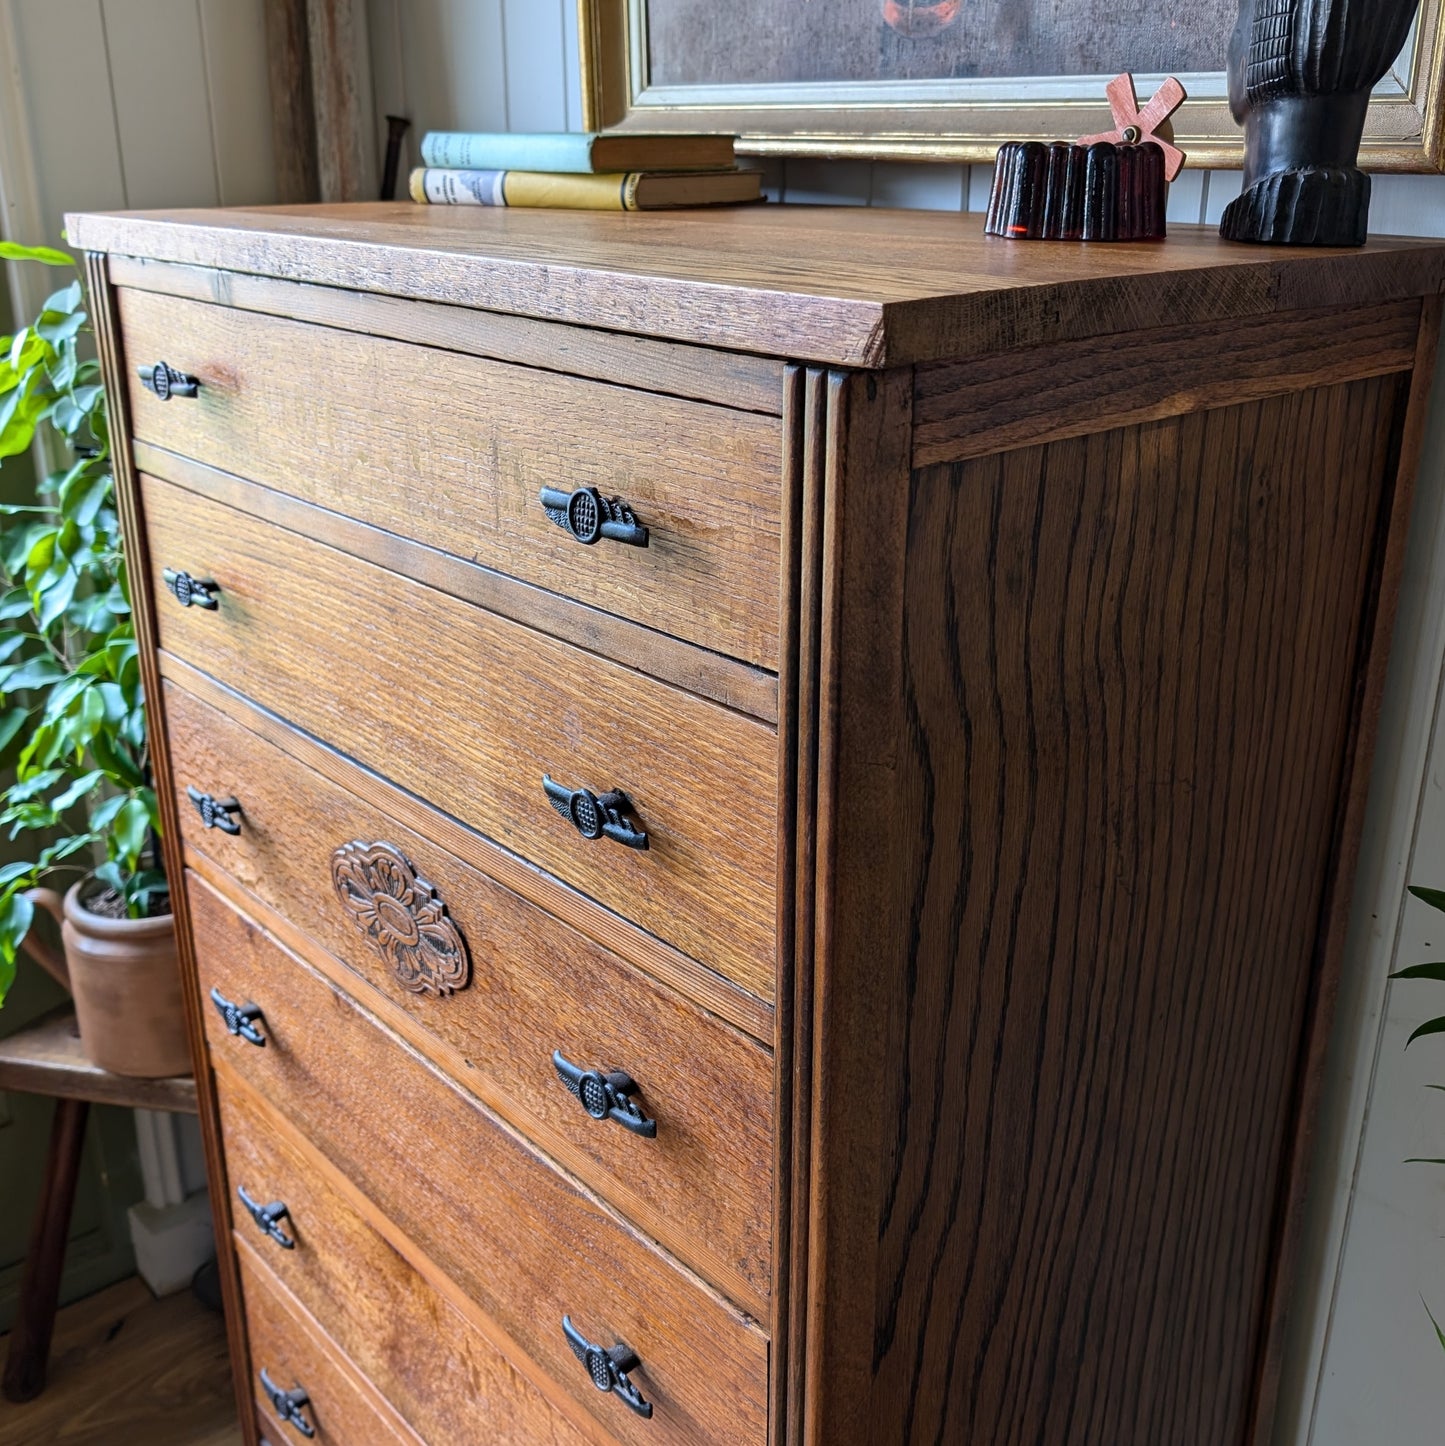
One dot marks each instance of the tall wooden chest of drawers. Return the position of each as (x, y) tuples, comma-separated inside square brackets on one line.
[(761, 803)]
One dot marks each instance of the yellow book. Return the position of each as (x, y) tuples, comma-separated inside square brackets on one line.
[(610, 191)]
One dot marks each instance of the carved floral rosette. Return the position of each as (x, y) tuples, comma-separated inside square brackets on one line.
[(401, 917)]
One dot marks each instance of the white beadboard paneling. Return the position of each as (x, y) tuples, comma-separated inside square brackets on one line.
[(1186, 197), (455, 68), (63, 67), (1220, 188), (925, 188), (233, 41), (535, 50), (1407, 206), (827, 183), (162, 111)]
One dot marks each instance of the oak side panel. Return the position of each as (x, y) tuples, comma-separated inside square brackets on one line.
[(1382, 598), (1129, 691), (1042, 394), (132, 517)]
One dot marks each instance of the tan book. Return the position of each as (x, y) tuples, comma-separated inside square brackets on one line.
[(617, 191)]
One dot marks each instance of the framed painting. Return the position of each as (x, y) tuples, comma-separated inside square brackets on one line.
[(950, 80)]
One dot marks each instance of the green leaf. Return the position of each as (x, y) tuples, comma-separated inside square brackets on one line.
[(1434, 897), (14, 604), (14, 871), (68, 298), (1422, 971), (1431, 1026), (57, 595), (16, 913), (11, 722), (46, 255), (35, 674), (129, 832), (27, 788), (1422, 1160), (11, 645), (1439, 1334), (83, 785), (103, 814)]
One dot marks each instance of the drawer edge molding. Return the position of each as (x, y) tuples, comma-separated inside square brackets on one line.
[(564, 1156), (739, 380), (667, 965), (729, 681), (111, 348)]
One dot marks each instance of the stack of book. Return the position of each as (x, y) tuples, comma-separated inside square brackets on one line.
[(591, 171)]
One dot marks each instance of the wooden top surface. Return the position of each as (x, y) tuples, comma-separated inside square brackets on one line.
[(849, 286), (45, 1058)]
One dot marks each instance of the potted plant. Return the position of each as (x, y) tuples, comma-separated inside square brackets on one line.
[(72, 722)]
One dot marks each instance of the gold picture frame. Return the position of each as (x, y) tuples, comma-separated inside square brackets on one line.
[(955, 121)]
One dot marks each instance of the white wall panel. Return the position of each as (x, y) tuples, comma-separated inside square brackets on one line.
[(535, 44), (233, 42), (162, 107), (66, 75), (454, 64)]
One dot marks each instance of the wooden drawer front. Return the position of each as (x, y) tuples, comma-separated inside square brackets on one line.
[(470, 711), (431, 1362), (516, 1236), (452, 450), (703, 1185), (342, 1409)]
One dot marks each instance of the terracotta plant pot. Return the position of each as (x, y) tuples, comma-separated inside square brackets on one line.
[(123, 976)]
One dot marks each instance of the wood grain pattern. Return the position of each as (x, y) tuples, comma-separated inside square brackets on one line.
[(110, 346), (345, 1409), (293, 114), (1043, 395), (46, 1058), (445, 1377), (495, 707), (128, 1368), (703, 1187), (668, 965), (1381, 601), (497, 1218), (848, 286), (725, 680), (480, 439), (1120, 778), (729, 378)]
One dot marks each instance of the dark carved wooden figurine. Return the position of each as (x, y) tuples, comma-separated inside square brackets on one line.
[(1300, 75)]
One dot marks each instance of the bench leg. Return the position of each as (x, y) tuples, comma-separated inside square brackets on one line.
[(40, 1283)]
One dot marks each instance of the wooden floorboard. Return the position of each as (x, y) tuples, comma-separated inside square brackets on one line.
[(129, 1370)]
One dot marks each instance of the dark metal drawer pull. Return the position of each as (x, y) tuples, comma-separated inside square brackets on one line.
[(605, 1096), (215, 812), (288, 1405), (588, 516), (191, 591), (268, 1218), (594, 815), (241, 1019), (608, 1369), (166, 382)]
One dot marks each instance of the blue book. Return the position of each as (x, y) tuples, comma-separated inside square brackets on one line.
[(577, 152)]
